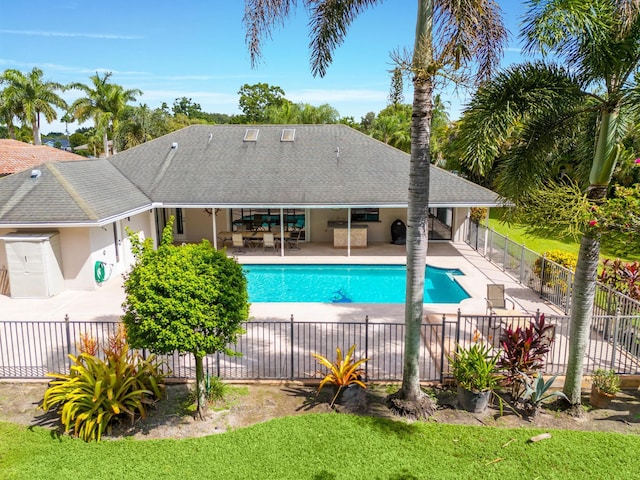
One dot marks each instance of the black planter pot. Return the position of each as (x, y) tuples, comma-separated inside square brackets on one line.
[(475, 402)]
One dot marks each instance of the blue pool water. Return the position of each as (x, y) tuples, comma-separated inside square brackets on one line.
[(346, 284)]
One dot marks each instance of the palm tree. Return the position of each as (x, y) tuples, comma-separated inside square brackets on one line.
[(29, 96), (450, 35), (103, 103), (8, 112), (534, 114)]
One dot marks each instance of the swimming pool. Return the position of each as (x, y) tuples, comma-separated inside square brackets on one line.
[(347, 284)]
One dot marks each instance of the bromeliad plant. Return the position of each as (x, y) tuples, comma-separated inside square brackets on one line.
[(524, 351), (97, 392), (343, 372)]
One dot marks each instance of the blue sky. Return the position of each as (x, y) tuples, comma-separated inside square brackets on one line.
[(197, 49)]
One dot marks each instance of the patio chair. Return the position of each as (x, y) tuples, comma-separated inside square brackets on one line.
[(237, 243), (268, 241), (496, 301), (292, 241)]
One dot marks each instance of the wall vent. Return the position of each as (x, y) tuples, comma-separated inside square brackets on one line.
[(288, 135), (251, 135)]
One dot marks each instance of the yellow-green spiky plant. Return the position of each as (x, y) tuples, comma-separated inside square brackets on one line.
[(343, 372)]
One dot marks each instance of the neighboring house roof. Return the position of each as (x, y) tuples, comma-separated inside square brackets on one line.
[(69, 193), (16, 156), (213, 165), (324, 165), (63, 142)]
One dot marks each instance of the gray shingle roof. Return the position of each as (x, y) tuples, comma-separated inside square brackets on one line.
[(325, 165), (76, 192)]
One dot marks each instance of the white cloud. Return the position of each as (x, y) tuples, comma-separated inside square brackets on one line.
[(44, 33), (68, 69), (320, 96)]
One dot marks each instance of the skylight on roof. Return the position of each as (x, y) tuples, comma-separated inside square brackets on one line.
[(288, 134), (251, 135)]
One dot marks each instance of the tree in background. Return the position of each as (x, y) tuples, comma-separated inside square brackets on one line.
[(300, 113), (396, 95), (139, 125), (28, 97), (9, 111), (256, 98), (190, 299), (103, 102), (393, 126), (533, 115), (451, 37)]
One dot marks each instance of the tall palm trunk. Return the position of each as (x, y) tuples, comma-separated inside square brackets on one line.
[(584, 286), (105, 143), (418, 204), (581, 310), (37, 139), (417, 239)]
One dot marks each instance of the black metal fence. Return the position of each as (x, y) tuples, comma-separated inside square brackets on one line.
[(281, 350), (551, 281)]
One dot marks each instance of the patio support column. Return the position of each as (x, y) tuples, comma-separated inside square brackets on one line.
[(215, 228), (349, 232), (154, 227), (282, 240)]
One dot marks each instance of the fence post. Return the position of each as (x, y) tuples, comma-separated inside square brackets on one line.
[(504, 257), (542, 267), (444, 319), (291, 349), (68, 335), (616, 322), (522, 264), (67, 328), (218, 364), (537, 315), (486, 242), (366, 345), (458, 328), (567, 302)]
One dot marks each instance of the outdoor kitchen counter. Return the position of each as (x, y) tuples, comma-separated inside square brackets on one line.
[(340, 232)]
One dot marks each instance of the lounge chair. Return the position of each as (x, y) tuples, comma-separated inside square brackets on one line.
[(496, 301)]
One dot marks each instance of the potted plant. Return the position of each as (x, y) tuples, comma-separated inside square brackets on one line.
[(343, 373), (604, 387), (474, 369)]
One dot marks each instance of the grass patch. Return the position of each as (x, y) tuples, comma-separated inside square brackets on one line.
[(221, 396), (313, 447), (517, 233)]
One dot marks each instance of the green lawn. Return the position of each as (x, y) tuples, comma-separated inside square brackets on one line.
[(323, 447), (539, 245)]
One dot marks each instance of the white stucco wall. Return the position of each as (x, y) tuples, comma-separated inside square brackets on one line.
[(459, 220), (142, 224), (3, 252)]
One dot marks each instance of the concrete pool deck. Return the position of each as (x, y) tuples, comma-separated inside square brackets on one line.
[(104, 303)]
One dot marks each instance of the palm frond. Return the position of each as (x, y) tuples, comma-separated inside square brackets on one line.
[(469, 31), (504, 104), (329, 22), (260, 17)]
